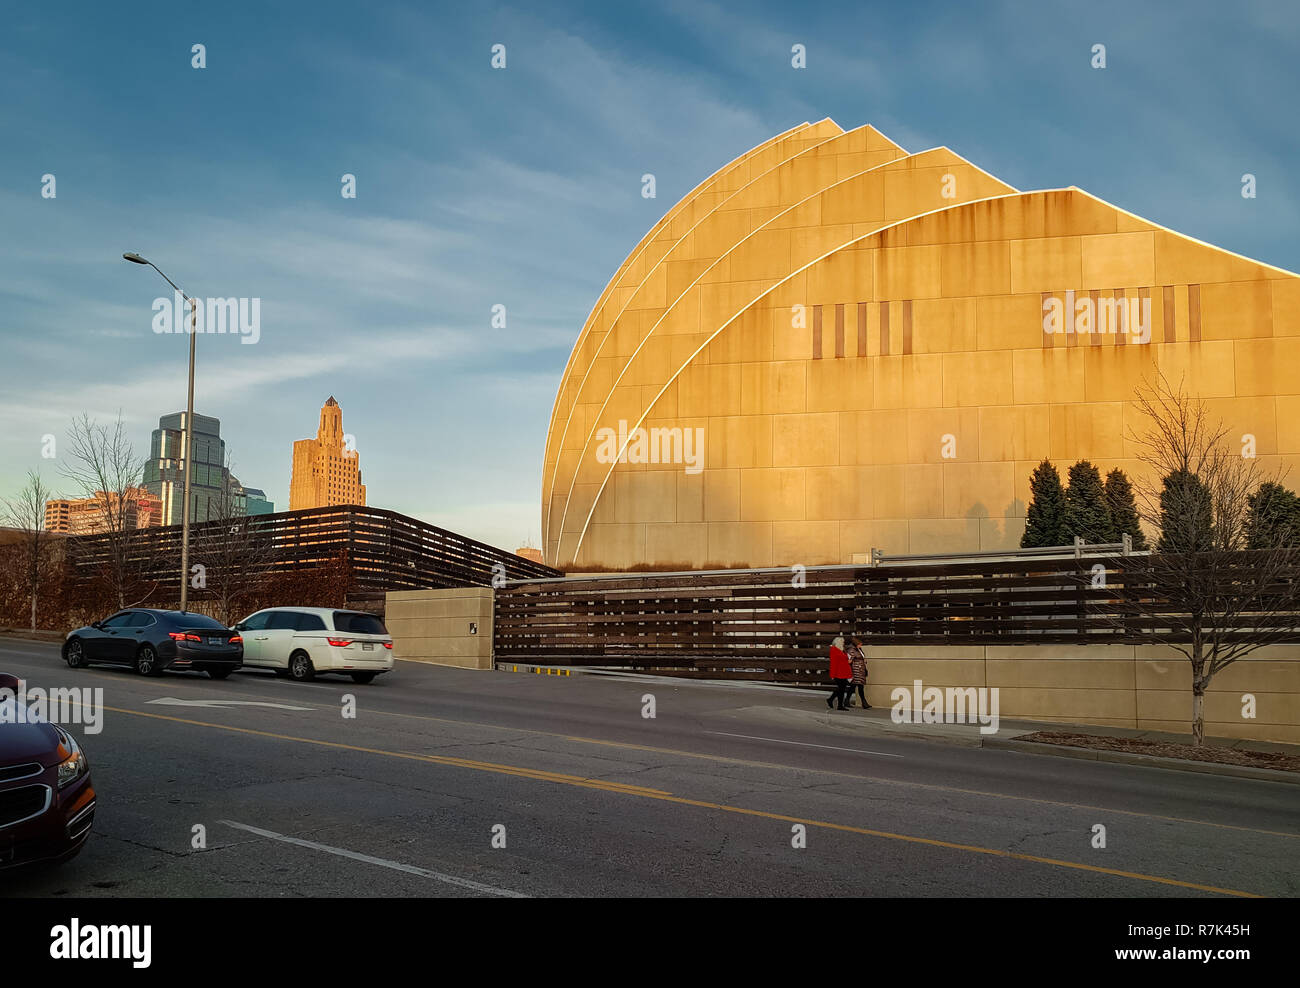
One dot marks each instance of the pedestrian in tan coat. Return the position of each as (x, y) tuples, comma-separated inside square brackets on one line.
[(858, 665)]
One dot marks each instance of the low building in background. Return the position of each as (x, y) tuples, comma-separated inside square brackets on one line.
[(253, 501), (57, 515), (148, 508), (89, 515), (528, 552)]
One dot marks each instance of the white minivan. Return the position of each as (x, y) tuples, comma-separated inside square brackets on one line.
[(301, 642)]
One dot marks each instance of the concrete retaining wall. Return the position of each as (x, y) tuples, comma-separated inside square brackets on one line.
[(445, 627), (1113, 685)]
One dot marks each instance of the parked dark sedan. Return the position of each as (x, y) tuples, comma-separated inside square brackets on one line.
[(150, 641), (47, 804)]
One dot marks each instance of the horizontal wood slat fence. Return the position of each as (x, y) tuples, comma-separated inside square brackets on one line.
[(766, 625), (384, 550)]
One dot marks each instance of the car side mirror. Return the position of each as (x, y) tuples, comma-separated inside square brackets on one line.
[(239, 627), (97, 625)]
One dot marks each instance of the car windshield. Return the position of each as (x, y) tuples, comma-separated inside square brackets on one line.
[(356, 623)]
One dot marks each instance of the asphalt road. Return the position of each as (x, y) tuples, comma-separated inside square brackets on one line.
[(591, 798)]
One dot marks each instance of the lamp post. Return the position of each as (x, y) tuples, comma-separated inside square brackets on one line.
[(188, 432)]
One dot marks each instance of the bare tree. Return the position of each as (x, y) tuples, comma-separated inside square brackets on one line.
[(235, 553), (1200, 592), (26, 513), (101, 464)]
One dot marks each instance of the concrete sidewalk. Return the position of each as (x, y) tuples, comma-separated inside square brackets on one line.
[(878, 722)]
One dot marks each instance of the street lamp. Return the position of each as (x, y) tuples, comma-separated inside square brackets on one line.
[(189, 431)]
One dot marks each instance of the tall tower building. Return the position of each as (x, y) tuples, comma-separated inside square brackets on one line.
[(325, 470), (214, 491), (164, 472)]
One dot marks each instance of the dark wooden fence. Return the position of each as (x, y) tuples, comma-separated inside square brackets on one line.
[(774, 626), (383, 549)]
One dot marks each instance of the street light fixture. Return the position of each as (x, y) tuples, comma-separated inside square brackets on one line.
[(188, 431)]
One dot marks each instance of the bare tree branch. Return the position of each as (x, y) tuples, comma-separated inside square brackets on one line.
[(1202, 592), (236, 554), (26, 513), (101, 464)]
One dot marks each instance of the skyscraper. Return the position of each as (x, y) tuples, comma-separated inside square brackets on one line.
[(214, 491), (164, 473), (325, 470)]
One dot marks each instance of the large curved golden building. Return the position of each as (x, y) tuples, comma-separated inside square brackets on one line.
[(832, 345)]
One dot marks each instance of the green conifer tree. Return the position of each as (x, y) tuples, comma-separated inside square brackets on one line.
[(1045, 517), (1123, 508), (1086, 513), (1273, 518), (1186, 514)]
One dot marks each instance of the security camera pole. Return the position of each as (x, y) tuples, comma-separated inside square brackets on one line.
[(188, 432)]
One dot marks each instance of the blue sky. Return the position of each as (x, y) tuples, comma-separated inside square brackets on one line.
[(521, 187)]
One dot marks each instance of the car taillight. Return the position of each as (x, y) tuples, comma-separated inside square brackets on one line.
[(339, 642), (237, 640), (388, 644), (181, 636)]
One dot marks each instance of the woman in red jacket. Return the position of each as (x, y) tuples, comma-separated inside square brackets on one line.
[(841, 673)]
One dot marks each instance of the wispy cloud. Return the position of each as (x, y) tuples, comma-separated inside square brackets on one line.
[(522, 188)]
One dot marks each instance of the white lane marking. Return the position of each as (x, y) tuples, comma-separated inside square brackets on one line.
[(805, 744), (277, 681), (382, 862), (171, 701)]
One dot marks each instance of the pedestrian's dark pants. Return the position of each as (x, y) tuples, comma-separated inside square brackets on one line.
[(861, 695), (841, 693)]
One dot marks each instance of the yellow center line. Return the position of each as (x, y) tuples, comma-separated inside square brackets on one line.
[(540, 775), (661, 795), (956, 789), (722, 759)]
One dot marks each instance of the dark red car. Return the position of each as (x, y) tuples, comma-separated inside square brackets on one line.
[(47, 804)]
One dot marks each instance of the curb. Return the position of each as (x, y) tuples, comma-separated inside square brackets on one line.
[(1150, 761), (540, 670), (633, 677)]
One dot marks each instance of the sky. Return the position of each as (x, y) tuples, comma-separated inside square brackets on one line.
[(521, 187)]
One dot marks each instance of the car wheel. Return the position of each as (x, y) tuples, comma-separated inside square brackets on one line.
[(219, 673), (146, 661), (363, 677), (300, 667), (75, 654)]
